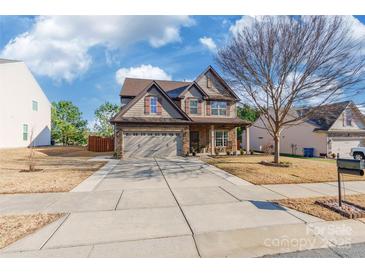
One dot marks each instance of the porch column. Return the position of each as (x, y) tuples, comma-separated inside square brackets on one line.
[(212, 140), (247, 139)]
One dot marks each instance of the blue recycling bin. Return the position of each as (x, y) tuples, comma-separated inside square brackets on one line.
[(308, 151)]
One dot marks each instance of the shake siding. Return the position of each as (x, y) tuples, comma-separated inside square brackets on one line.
[(216, 88), (205, 109), (167, 110), (194, 93)]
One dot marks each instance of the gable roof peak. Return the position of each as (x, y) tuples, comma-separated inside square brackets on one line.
[(140, 96), (223, 82)]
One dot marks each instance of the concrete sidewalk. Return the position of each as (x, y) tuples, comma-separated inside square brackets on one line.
[(170, 208)]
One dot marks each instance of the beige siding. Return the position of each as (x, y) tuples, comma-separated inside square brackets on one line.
[(194, 93), (357, 123), (168, 111), (299, 137), (216, 87)]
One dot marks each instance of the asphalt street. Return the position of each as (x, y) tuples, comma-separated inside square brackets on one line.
[(353, 251)]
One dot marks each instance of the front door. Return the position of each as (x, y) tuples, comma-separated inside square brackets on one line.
[(194, 141)]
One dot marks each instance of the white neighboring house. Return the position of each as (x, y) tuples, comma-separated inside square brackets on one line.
[(25, 112), (336, 128)]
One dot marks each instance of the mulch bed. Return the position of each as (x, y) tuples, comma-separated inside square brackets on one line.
[(281, 164), (348, 209)]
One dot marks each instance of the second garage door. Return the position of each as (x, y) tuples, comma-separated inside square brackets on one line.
[(343, 146), (152, 144)]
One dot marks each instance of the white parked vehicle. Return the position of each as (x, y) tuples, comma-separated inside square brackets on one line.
[(358, 153)]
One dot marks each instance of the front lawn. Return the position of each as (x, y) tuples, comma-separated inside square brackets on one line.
[(302, 170), (58, 169)]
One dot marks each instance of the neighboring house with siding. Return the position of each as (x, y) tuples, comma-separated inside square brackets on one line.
[(334, 128), (170, 118), (25, 112)]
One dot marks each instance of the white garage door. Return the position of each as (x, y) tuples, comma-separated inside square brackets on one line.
[(343, 147), (152, 144)]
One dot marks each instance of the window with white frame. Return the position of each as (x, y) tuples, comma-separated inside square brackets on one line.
[(34, 105), (221, 138), (25, 132), (193, 106), (153, 104), (219, 108)]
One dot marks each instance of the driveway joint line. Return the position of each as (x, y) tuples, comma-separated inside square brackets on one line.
[(230, 194), (120, 197), (68, 215), (181, 210)]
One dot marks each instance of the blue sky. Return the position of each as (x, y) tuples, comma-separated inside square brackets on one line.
[(85, 58)]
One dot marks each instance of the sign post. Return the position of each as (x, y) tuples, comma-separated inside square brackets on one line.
[(339, 187), (348, 166)]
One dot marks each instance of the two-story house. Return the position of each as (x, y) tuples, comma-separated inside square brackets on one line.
[(170, 118), (25, 112)]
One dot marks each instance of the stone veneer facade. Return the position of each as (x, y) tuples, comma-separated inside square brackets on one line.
[(204, 135), (120, 129)]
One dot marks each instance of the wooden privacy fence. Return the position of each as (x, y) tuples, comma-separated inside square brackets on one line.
[(100, 144)]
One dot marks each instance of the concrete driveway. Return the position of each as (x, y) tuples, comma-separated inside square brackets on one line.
[(161, 208)]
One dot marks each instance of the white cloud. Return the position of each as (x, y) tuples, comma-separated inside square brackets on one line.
[(57, 46), (356, 27), (242, 23), (143, 71), (208, 43)]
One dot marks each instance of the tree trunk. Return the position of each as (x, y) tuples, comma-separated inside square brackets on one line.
[(277, 149)]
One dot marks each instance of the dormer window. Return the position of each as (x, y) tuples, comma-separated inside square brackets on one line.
[(153, 104)]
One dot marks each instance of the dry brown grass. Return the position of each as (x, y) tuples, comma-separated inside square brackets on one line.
[(301, 171), (60, 169), (14, 227), (308, 205)]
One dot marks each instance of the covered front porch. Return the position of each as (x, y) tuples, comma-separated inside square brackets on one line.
[(217, 138)]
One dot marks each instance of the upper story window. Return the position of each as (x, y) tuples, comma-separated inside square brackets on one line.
[(34, 105), (153, 104), (348, 117), (193, 106), (219, 108)]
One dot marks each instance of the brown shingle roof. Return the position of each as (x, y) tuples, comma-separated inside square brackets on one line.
[(325, 115), (133, 86)]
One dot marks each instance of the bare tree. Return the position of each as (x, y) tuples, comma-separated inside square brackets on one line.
[(279, 63)]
